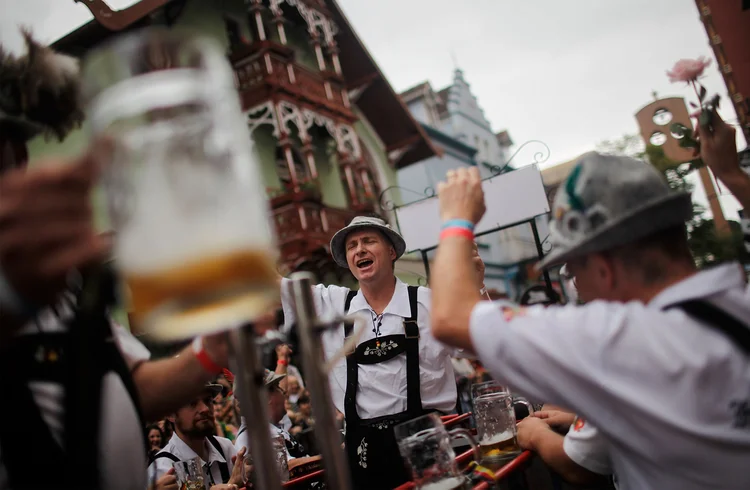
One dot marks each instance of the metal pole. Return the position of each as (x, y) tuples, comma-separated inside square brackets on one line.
[(540, 252), (254, 405), (426, 261), (316, 379)]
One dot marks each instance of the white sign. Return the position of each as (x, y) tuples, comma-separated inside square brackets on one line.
[(510, 198)]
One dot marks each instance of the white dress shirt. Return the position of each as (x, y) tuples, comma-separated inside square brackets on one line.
[(670, 395), (122, 456), (182, 451), (244, 441), (382, 387), (586, 447)]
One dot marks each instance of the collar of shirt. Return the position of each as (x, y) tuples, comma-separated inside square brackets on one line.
[(184, 452), (701, 285), (399, 304)]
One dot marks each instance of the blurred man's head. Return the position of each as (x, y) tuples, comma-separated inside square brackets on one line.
[(196, 419), (369, 248), (292, 385), (304, 405), (620, 229), (276, 400), (276, 396)]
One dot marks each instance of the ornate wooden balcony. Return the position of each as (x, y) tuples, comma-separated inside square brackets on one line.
[(304, 228), (267, 70)]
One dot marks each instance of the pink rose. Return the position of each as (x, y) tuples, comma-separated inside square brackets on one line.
[(688, 70)]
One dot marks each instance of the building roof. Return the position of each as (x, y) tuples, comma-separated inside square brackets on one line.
[(418, 90), (504, 139), (380, 104), (449, 141), (442, 101)]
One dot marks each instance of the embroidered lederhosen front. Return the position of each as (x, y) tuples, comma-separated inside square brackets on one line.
[(374, 459)]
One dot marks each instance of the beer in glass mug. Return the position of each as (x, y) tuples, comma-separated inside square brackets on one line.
[(425, 445), (496, 421), (193, 239)]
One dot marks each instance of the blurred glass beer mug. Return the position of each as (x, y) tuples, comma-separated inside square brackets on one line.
[(425, 445), (496, 420), (184, 192), (278, 444), (189, 474)]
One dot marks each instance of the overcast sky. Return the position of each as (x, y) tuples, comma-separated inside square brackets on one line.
[(569, 73)]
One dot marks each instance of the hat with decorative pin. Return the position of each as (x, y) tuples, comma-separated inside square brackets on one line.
[(608, 201)]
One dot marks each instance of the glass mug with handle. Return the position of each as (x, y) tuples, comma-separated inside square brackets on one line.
[(425, 445), (189, 474), (184, 191), (278, 445), (496, 421)]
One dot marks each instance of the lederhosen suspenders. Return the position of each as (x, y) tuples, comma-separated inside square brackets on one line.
[(374, 459), (76, 359), (717, 318), (223, 467)]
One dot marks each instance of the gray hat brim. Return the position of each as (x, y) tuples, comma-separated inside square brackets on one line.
[(672, 210), (213, 388), (273, 379), (338, 242)]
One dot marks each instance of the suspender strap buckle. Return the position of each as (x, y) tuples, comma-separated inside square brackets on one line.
[(411, 329)]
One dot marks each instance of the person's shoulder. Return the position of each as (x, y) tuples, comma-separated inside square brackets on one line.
[(224, 442)]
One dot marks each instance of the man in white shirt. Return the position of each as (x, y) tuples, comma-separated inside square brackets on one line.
[(193, 438), (398, 371), (662, 366), (276, 415)]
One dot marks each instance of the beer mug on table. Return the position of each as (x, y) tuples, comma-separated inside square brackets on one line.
[(496, 420), (282, 463), (425, 445), (189, 474), (185, 198)]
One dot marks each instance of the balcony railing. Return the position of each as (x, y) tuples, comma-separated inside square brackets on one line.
[(265, 67), (308, 222)]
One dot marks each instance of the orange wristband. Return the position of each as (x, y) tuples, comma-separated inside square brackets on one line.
[(205, 361), (457, 231)]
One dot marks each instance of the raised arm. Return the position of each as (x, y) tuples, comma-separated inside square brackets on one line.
[(455, 280)]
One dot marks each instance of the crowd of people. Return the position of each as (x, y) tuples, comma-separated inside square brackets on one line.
[(650, 373)]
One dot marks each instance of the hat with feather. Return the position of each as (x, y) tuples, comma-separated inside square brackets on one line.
[(39, 92)]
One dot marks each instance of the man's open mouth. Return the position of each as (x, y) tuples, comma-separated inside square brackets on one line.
[(361, 264)]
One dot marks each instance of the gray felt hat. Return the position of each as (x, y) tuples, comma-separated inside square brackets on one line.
[(608, 201), (338, 242)]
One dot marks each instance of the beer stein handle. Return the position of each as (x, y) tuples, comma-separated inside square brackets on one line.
[(460, 432), (350, 344), (524, 401)]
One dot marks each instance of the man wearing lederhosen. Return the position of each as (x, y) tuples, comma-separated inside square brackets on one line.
[(398, 371), (83, 385)]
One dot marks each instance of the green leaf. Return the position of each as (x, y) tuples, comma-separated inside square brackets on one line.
[(694, 105), (703, 93)]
